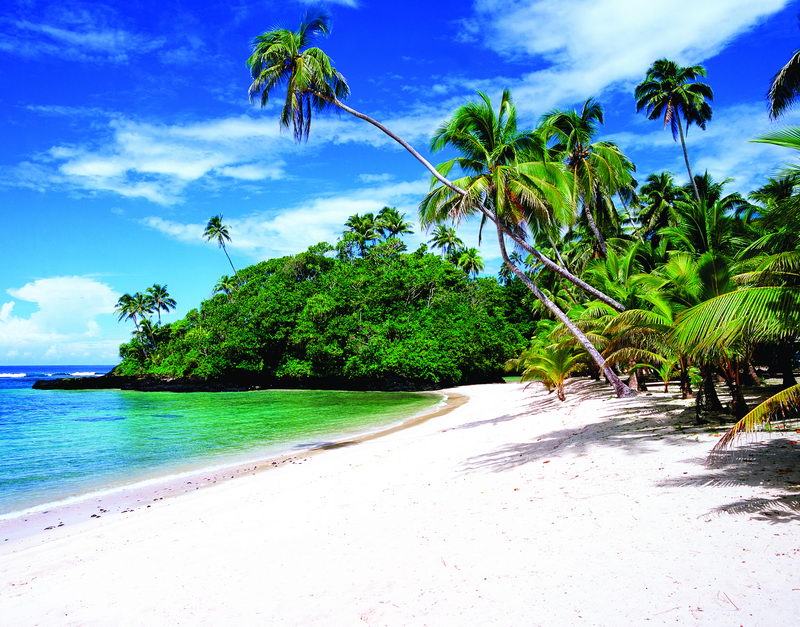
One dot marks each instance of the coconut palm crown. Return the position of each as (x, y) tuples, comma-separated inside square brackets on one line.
[(284, 58), (672, 92)]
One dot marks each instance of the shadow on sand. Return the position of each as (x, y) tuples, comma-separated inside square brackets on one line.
[(646, 423)]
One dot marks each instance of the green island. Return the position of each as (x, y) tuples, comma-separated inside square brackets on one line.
[(370, 317)]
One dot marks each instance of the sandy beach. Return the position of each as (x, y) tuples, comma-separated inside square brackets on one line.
[(511, 509)]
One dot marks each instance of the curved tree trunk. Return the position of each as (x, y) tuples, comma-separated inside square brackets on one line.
[(601, 242), (562, 272), (225, 250), (620, 388), (686, 159)]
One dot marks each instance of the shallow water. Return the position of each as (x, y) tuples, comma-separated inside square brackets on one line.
[(55, 444)]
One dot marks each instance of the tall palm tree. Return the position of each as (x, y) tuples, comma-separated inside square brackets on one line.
[(673, 93), (510, 171), (162, 301), (217, 231), (785, 87), (284, 58), (391, 223), (446, 239), (470, 261), (599, 169)]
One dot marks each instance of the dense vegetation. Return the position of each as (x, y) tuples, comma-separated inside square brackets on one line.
[(369, 316), (658, 279)]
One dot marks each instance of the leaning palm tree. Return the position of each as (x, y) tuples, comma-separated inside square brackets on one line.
[(216, 231), (162, 301), (511, 172), (673, 93), (284, 58)]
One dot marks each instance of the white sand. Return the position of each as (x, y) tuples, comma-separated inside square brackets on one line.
[(511, 510)]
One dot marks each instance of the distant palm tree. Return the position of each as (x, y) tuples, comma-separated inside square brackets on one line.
[(470, 261), (391, 223), (671, 91), (216, 231), (125, 309), (599, 169), (446, 239), (659, 194), (785, 87), (136, 308), (226, 285), (363, 230), (162, 301)]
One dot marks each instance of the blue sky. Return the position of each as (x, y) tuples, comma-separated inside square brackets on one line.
[(125, 126)]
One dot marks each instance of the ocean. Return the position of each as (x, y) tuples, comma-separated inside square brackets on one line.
[(60, 444)]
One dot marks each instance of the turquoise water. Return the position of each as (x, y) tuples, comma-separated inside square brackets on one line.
[(56, 444)]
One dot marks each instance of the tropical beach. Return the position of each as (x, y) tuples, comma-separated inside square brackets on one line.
[(456, 313), (511, 509)]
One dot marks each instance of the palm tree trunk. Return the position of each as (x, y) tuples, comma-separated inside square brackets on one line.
[(620, 388), (686, 158), (601, 242), (225, 250), (562, 272)]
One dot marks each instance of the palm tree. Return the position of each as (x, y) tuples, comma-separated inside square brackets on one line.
[(226, 285), (363, 230), (552, 366), (671, 91), (599, 169), (216, 231), (470, 261), (282, 57), (785, 87), (136, 308), (162, 301), (391, 223), (446, 239), (509, 171), (125, 309), (659, 194)]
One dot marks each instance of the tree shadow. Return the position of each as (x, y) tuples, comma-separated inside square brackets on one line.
[(768, 463), (644, 425)]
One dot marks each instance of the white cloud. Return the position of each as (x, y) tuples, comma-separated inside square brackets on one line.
[(158, 161), (64, 324), (586, 46), (82, 33), (270, 234), (724, 148)]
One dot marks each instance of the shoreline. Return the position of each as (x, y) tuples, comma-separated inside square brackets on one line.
[(54, 518), (511, 509)]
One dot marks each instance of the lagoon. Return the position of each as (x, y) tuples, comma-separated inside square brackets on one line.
[(57, 444)]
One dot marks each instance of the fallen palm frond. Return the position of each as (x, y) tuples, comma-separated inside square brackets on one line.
[(777, 406)]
